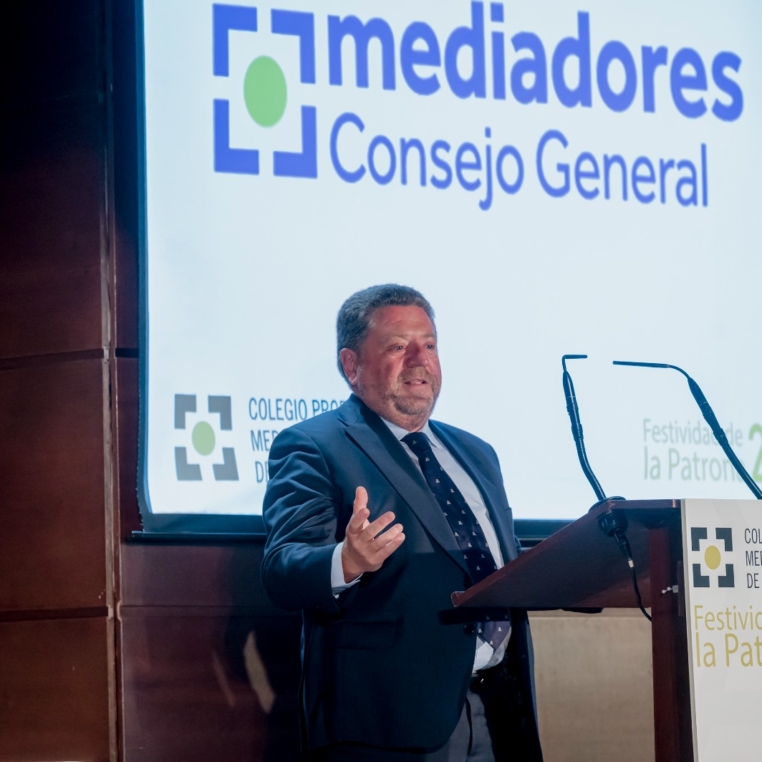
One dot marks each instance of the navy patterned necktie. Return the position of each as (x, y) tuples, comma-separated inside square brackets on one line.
[(467, 530)]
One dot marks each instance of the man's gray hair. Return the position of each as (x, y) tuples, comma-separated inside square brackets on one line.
[(355, 318)]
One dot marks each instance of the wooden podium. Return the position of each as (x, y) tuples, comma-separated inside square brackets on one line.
[(580, 567)]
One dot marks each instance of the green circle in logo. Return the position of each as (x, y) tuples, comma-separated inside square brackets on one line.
[(712, 557), (264, 91), (203, 438)]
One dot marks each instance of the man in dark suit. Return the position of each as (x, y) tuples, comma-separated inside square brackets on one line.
[(375, 515)]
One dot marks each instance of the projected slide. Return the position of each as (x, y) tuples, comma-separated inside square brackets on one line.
[(555, 177)]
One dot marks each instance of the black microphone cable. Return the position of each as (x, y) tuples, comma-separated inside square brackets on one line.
[(612, 524), (615, 525), (572, 408)]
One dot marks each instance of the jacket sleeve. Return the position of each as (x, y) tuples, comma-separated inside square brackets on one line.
[(301, 509)]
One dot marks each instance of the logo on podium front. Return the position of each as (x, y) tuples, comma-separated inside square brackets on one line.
[(712, 568)]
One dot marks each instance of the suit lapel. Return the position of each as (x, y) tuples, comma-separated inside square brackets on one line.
[(372, 435), (492, 493)]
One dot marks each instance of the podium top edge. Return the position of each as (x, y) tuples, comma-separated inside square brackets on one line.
[(552, 554)]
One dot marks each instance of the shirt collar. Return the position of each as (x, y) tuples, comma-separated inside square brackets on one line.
[(399, 432)]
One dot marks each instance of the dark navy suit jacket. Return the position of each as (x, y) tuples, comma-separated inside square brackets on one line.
[(383, 665)]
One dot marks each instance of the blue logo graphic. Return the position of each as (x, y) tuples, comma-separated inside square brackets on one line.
[(269, 90)]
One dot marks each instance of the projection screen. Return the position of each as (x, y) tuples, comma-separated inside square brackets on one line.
[(554, 177)]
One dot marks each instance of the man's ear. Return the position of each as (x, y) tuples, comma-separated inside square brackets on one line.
[(349, 361)]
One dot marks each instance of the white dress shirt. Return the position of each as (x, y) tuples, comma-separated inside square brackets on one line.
[(485, 656)]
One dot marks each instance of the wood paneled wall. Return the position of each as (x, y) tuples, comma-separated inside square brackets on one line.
[(57, 687), (191, 618)]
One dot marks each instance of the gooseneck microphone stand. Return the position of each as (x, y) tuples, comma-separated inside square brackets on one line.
[(710, 418), (572, 408), (612, 524)]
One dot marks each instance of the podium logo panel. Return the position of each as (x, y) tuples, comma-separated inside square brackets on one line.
[(713, 567)]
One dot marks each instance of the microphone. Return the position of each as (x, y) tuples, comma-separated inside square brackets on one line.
[(576, 426), (709, 417), (612, 524)]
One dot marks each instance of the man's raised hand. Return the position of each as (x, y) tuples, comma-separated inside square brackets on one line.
[(365, 548)]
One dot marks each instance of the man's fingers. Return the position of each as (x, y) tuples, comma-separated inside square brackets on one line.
[(376, 527), (367, 545), (359, 521), (360, 511), (378, 543), (361, 499), (388, 546)]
